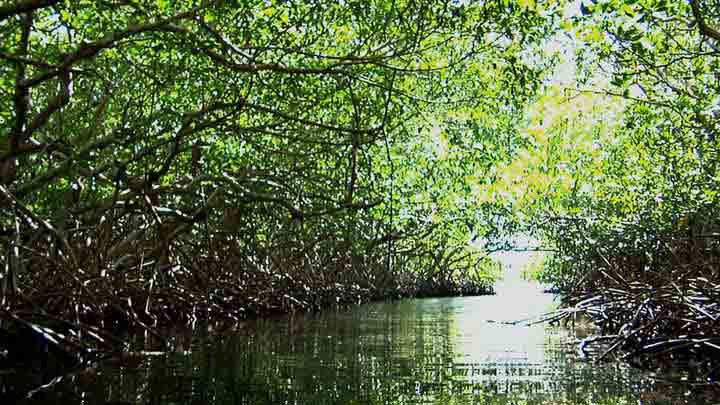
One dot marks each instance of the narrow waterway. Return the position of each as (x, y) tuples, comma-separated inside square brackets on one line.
[(424, 351)]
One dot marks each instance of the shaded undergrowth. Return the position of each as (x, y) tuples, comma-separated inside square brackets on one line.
[(653, 295), (82, 294)]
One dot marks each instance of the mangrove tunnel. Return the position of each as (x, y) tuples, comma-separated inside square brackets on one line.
[(199, 186)]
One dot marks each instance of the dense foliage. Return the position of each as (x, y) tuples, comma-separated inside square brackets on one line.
[(171, 161), (165, 162), (620, 178)]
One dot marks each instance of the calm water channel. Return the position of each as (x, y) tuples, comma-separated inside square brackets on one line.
[(425, 351)]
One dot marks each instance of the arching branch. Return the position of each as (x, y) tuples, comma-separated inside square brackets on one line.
[(705, 29), (19, 7)]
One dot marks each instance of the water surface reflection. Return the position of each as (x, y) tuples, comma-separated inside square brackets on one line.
[(427, 351)]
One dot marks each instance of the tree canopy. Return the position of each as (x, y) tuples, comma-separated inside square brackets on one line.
[(166, 161)]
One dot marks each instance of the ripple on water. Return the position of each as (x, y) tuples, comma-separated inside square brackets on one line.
[(429, 351)]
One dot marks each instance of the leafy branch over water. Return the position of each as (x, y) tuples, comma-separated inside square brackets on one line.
[(167, 162), (621, 181)]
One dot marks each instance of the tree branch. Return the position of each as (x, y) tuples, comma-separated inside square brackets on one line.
[(291, 118), (22, 95), (25, 6), (54, 105), (705, 29), (90, 50)]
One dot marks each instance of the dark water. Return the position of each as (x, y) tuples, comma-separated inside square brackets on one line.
[(427, 351)]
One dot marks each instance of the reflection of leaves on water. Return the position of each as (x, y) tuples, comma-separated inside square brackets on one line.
[(407, 352)]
